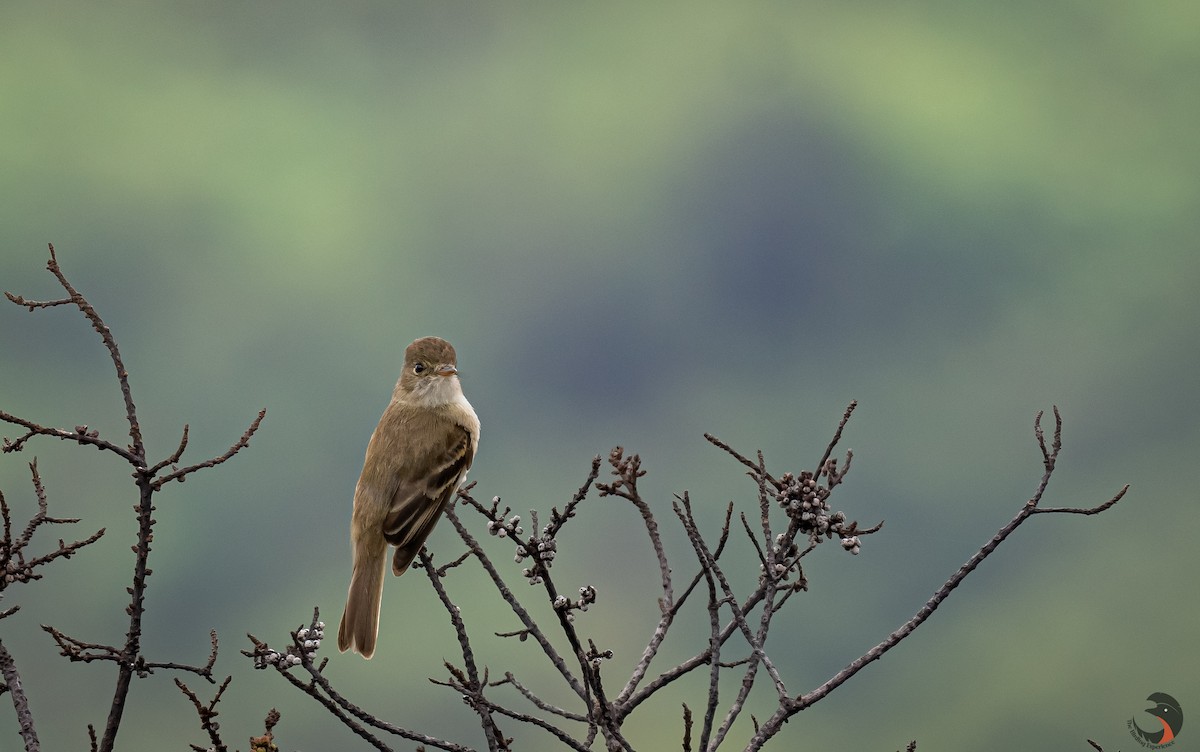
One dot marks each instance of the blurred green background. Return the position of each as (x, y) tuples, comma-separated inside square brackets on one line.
[(637, 222)]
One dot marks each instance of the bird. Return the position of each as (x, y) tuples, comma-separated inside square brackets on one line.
[(416, 459)]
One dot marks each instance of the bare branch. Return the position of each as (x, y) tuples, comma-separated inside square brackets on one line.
[(306, 641), (123, 377), (81, 435), (207, 713), (14, 566), (739, 457), (12, 682), (79, 650), (472, 688), (183, 442), (33, 305), (1089, 510), (837, 437), (531, 627), (238, 446), (627, 472), (537, 701), (128, 656), (144, 667), (794, 705)]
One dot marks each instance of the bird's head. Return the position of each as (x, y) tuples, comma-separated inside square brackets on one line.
[(430, 374)]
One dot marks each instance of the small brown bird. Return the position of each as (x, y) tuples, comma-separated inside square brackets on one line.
[(419, 454)]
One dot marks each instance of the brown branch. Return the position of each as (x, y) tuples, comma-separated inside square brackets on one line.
[(473, 687), (135, 431), (136, 452), (128, 657), (714, 660), (78, 650), (1089, 510), (683, 509), (12, 681), (238, 446), (537, 701), (791, 706), (207, 713), (14, 567), (721, 541), (740, 458), (300, 654), (627, 473), (531, 626), (145, 667), (84, 436), (837, 437), (33, 305), (550, 728), (183, 442), (266, 742)]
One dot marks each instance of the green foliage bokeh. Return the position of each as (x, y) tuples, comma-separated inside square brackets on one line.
[(636, 222)]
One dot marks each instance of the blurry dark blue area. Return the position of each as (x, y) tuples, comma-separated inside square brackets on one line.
[(802, 238), (598, 347), (774, 220), (784, 237)]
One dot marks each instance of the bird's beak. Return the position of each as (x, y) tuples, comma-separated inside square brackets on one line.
[(446, 369)]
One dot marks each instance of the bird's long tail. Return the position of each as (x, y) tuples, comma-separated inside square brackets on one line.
[(360, 621)]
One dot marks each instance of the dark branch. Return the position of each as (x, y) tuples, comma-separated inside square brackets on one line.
[(208, 714), (80, 435), (238, 446), (16, 567), (12, 684)]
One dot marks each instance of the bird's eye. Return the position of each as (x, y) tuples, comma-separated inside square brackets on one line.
[(419, 369)]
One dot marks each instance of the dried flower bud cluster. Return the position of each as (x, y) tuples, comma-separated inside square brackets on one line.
[(18, 571), (587, 596), (786, 552), (595, 655), (496, 524), (309, 640), (542, 549), (545, 550), (807, 502)]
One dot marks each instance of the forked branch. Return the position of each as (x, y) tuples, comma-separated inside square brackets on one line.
[(128, 655)]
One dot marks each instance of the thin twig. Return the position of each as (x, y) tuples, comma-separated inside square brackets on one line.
[(238, 446), (837, 436), (537, 701), (81, 437), (740, 458), (208, 712), (135, 432)]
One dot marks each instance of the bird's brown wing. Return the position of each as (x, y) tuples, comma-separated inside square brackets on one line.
[(419, 501)]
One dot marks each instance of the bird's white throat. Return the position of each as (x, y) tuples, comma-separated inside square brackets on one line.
[(437, 391)]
